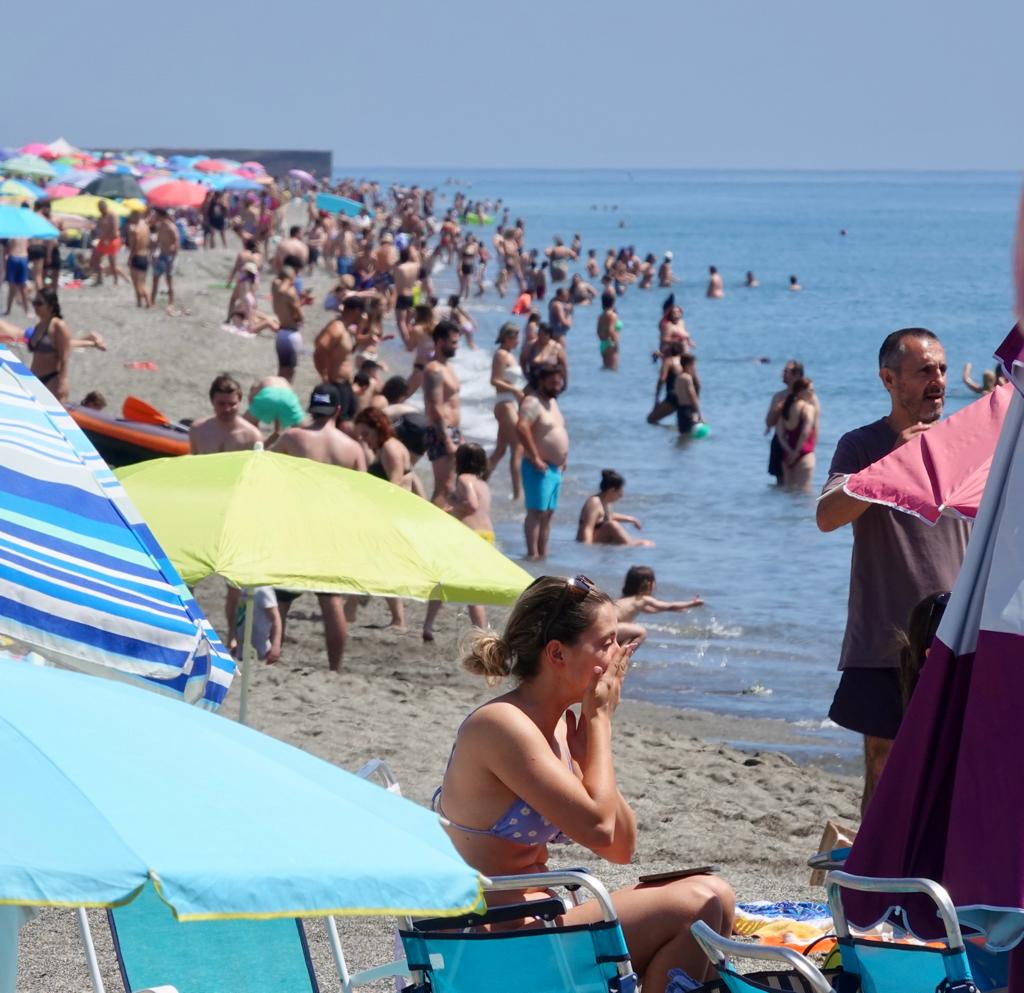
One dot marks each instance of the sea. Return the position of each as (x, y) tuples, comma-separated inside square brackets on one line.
[(925, 249)]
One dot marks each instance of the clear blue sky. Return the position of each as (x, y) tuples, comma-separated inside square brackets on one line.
[(661, 83)]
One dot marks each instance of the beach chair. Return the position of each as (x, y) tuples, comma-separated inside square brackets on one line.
[(802, 976), (451, 955), (887, 967), (231, 956)]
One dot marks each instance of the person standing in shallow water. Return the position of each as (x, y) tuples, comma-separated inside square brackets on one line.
[(525, 773), (716, 289), (608, 327), (897, 558)]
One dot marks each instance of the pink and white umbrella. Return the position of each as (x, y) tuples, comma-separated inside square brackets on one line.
[(177, 193), (943, 470), (950, 804)]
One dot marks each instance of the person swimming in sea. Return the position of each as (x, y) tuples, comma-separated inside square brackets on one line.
[(599, 524)]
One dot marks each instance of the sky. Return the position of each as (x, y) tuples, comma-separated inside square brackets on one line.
[(784, 84)]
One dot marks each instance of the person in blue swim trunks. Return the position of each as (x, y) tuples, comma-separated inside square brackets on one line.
[(526, 773), (541, 429)]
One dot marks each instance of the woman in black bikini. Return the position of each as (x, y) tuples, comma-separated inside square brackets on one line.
[(599, 524), (49, 342)]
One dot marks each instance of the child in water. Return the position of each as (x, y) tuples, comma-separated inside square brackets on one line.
[(638, 598), (471, 504)]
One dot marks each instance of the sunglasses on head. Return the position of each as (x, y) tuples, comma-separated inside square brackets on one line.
[(576, 590)]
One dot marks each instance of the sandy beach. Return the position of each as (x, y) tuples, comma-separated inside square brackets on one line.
[(759, 814)]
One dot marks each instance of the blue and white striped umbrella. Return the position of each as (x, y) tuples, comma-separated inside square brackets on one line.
[(82, 579)]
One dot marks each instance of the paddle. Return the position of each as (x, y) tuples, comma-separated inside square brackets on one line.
[(134, 409)]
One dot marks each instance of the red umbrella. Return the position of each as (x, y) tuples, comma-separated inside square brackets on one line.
[(177, 193), (211, 165)]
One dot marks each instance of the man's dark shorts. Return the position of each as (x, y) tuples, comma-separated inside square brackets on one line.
[(869, 702)]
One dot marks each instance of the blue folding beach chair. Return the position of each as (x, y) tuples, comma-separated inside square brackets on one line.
[(452, 955), (231, 956), (953, 965)]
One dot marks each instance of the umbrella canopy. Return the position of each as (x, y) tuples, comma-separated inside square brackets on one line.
[(211, 165), (60, 148), (34, 148), (79, 177), (302, 175), (177, 193), (82, 580), (348, 532), (21, 190), (59, 191), (19, 222), (107, 788), (118, 186), (239, 184), (950, 804), (28, 165), (334, 204), (87, 205), (943, 470), (252, 166)]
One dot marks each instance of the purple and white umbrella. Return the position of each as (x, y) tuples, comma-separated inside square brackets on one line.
[(950, 804)]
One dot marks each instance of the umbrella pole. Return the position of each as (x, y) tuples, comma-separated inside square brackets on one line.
[(90, 951), (339, 955), (243, 705)]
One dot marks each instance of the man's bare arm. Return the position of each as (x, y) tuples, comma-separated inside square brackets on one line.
[(837, 508)]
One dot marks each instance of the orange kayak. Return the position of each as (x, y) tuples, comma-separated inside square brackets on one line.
[(123, 442)]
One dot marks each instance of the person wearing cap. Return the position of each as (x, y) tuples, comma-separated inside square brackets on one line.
[(322, 441), (666, 277)]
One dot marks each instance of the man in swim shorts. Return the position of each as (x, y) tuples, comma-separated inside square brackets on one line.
[(167, 244), (541, 429), (560, 311), (287, 306), (332, 354), (137, 232), (559, 257), (442, 409), (17, 273), (107, 245)]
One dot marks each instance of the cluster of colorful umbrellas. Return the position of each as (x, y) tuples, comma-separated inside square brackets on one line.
[(139, 176)]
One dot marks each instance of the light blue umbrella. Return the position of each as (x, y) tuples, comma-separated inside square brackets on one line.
[(238, 184), (106, 788), (334, 204), (20, 222)]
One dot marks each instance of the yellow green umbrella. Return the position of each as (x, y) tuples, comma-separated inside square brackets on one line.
[(87, 205), (264, 519)]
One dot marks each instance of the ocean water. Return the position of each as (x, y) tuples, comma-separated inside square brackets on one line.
[(929, 249)]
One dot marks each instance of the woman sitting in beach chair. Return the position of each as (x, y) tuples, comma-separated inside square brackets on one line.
[(526, 772)]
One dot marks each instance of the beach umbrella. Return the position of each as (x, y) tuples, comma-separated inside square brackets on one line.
[(302, 176), (19, 222), (253, 166), (239, 184), (79, 177), (34, 148), (119, 186), (83, 582), (344, 532), (177, 193), (944, 469), (157, 178), (211, 165), (334, 204), (28, 165), (108, 789), (950, 803), (59, 191), (60, 148), (21, 190), (86, 205), (134, 203)]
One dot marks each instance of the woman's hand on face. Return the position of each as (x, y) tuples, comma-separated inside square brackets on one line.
[(605, 686)]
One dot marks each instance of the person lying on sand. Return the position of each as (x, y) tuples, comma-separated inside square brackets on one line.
[(638, 598), (525, 772)]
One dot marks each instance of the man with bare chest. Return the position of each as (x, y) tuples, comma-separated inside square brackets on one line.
[(226, 430), (284, 298), (138, 256), (441, 406)]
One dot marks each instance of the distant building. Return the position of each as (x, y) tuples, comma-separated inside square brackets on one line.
[(277, 161)]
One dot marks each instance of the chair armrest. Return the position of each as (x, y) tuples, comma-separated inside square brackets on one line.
[(387, 971), (718, 950), (835, 881), (380, 769)]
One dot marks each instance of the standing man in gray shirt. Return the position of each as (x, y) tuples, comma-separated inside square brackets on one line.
[(897, 559)]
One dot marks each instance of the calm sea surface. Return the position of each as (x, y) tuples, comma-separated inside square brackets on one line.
[(928, 249)]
